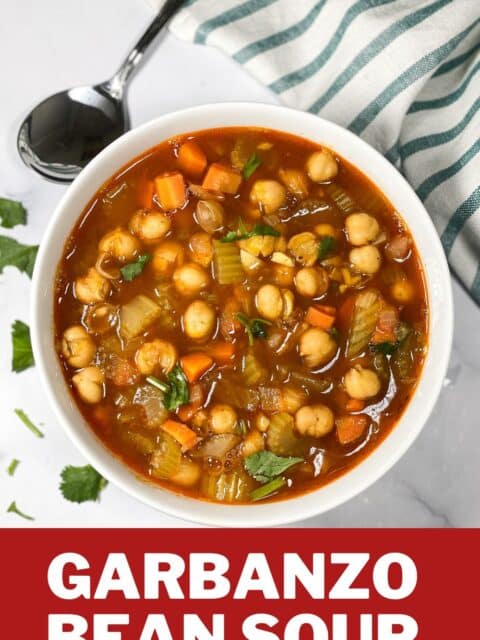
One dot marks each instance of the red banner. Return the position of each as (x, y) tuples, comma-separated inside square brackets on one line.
[(265, 584)]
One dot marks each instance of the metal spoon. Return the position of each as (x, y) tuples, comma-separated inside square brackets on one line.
[(64, 132)]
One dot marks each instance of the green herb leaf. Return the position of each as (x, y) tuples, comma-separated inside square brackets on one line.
[(22, 356), (175, 389), (80, 484), (254, 327), (267, 489), (12, 466), (251, 165), (243, 234), (327, 245), (131, 271), (265, 465), (15, 254), (11, 213), (14, 509), (387, 348), (29, 424)]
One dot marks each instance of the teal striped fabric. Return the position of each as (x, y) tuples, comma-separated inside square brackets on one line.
[(402, 74)]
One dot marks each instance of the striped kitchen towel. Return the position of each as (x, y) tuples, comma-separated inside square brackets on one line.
[(402, 74)]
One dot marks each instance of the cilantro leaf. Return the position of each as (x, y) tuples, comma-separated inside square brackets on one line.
[(14, 509), (15, 254), (251, 165), (265, 465), (327, 244), (11, 213), (22, 356), (131, 271), (175, 390), (243, 234), (13, 466), (254, 327), (29, 424), (80, 484)]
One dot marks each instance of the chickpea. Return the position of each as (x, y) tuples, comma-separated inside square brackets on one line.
[(91, 288), (366, 260), (77, 346), (402, 291), (201, 249), (199, 320), (316, 347), (154, 355), (325, 229), (361, 383), (190, 279), (361, 228), (304, 248), (119, 244), (210, 215), (149, 226), (315, 420), (223, 418), (283, 275), (252, 443), (269, 302), (188, 473), (311, 281), (166, 257), (89, 384), (269, 195), (321, 166), (295, 180), (262, 422)]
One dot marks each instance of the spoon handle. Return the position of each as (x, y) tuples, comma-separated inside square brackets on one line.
[(117, 83)]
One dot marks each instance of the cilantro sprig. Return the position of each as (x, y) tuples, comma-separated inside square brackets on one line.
[(14, 509), (175, 390), (15, 254), (22, 355), (134, 269), (267, 468), (81, 484), (243, 234), (326, 246), (28, 423), (12, 213), (251, 165), (254, 327)]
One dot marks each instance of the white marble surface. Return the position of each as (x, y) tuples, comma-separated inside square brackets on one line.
[(47, 46)]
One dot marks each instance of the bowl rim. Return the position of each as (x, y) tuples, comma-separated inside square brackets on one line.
[(303, 506)]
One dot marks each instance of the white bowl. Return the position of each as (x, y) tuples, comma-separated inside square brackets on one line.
[(372, 164)]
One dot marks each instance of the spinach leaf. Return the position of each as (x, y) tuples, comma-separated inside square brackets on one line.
[(251, 165), (264, 466)]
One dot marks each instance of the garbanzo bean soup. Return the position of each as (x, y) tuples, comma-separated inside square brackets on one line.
[(241, 315)]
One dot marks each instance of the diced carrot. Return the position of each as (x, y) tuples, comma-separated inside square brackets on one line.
[(345, 312), (222, 352), (145, 194), (321, 317), (171, 191), (222, 178), (194, 365), (103, 418), (354, 405), (192, 158), (350, 428), (182, 434)]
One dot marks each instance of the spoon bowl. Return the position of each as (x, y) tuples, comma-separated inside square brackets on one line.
[(63, 133)]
